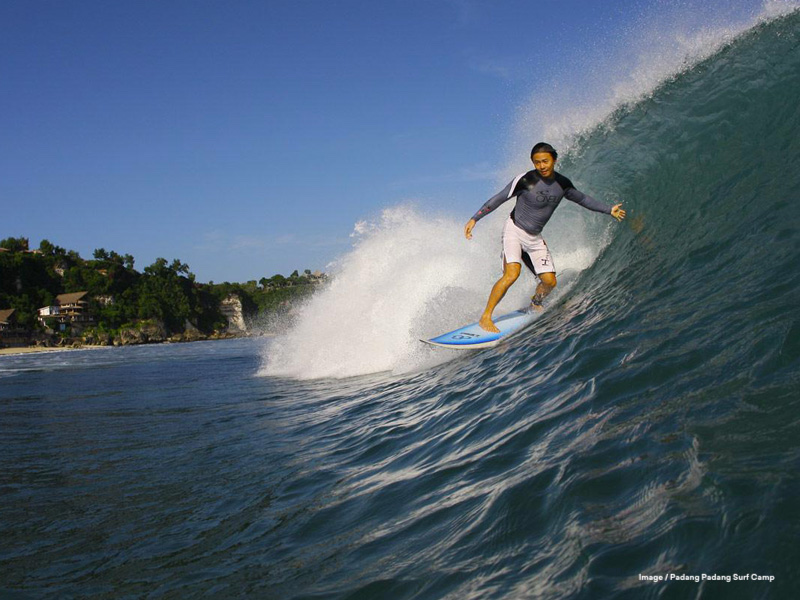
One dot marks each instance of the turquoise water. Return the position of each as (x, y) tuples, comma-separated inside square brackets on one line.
[(646, 426)]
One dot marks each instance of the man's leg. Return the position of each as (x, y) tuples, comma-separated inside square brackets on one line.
[(510, 275), (547, 282), (542, 266)]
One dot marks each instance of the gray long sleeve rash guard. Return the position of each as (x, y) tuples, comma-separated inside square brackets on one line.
[(537, 200)]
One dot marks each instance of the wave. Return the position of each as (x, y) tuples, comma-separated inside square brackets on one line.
[(645, 424), (702, 161)]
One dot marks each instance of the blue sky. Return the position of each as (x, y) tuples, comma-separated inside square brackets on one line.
[(247, 138)]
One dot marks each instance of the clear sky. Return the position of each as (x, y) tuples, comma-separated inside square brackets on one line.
[(248, 137)]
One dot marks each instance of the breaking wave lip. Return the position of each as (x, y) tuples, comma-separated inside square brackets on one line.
[(625, 79), (411, 275)]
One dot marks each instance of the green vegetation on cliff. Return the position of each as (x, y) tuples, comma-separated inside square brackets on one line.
[(119, 295)]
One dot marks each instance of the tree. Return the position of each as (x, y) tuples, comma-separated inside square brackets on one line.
[(50, 250), (46, 248), (179, 267), (168, 295), (19, 244)]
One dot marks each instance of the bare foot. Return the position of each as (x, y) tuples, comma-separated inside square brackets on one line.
[(536, 307), (486, 323)]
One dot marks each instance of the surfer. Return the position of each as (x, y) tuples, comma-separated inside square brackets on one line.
[(538, 193)]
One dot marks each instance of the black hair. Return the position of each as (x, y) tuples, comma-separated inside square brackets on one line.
[(544, 147)]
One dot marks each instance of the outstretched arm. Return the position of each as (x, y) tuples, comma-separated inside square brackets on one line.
[(506, 193), (587, 201)]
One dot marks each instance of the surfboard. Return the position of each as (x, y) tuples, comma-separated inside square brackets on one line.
[(473, 336)]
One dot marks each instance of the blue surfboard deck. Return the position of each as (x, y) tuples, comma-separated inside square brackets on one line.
[(473, 336)]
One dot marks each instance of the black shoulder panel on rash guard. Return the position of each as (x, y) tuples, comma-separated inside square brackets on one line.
[(564, 182), (525, 182)]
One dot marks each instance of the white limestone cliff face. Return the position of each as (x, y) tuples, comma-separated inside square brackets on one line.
[(231, 307)]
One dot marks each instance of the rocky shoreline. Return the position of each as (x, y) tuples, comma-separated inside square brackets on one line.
[(154, 333)]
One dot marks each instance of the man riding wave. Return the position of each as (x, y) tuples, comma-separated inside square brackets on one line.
[(538, 194)]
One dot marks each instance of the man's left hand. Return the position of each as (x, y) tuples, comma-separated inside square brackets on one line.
[(618, 212)]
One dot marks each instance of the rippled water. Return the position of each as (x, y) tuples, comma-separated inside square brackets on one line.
[(645, 426)]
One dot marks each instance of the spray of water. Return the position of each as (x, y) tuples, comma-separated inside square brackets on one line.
[(410, 275), (402, 271), (654, 50)]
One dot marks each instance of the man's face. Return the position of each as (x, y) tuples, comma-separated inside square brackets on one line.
[(544, 163)]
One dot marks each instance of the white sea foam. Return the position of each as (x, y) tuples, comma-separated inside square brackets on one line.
[(408, 276)]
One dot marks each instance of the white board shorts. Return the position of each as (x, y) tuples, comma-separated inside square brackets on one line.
[(516, 241)]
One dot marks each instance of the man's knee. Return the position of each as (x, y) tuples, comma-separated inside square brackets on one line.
[(548, 279), (511, 272)]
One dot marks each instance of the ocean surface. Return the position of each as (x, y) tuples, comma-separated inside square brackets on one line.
[(646, 426)]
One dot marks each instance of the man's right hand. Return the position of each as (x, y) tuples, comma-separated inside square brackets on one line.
[(468, 229)]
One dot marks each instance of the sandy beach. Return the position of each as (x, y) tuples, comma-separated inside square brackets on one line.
[(30, 349)]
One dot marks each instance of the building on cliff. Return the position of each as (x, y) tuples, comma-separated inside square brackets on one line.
[(68, 310), (6, 319), (11, 333)]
